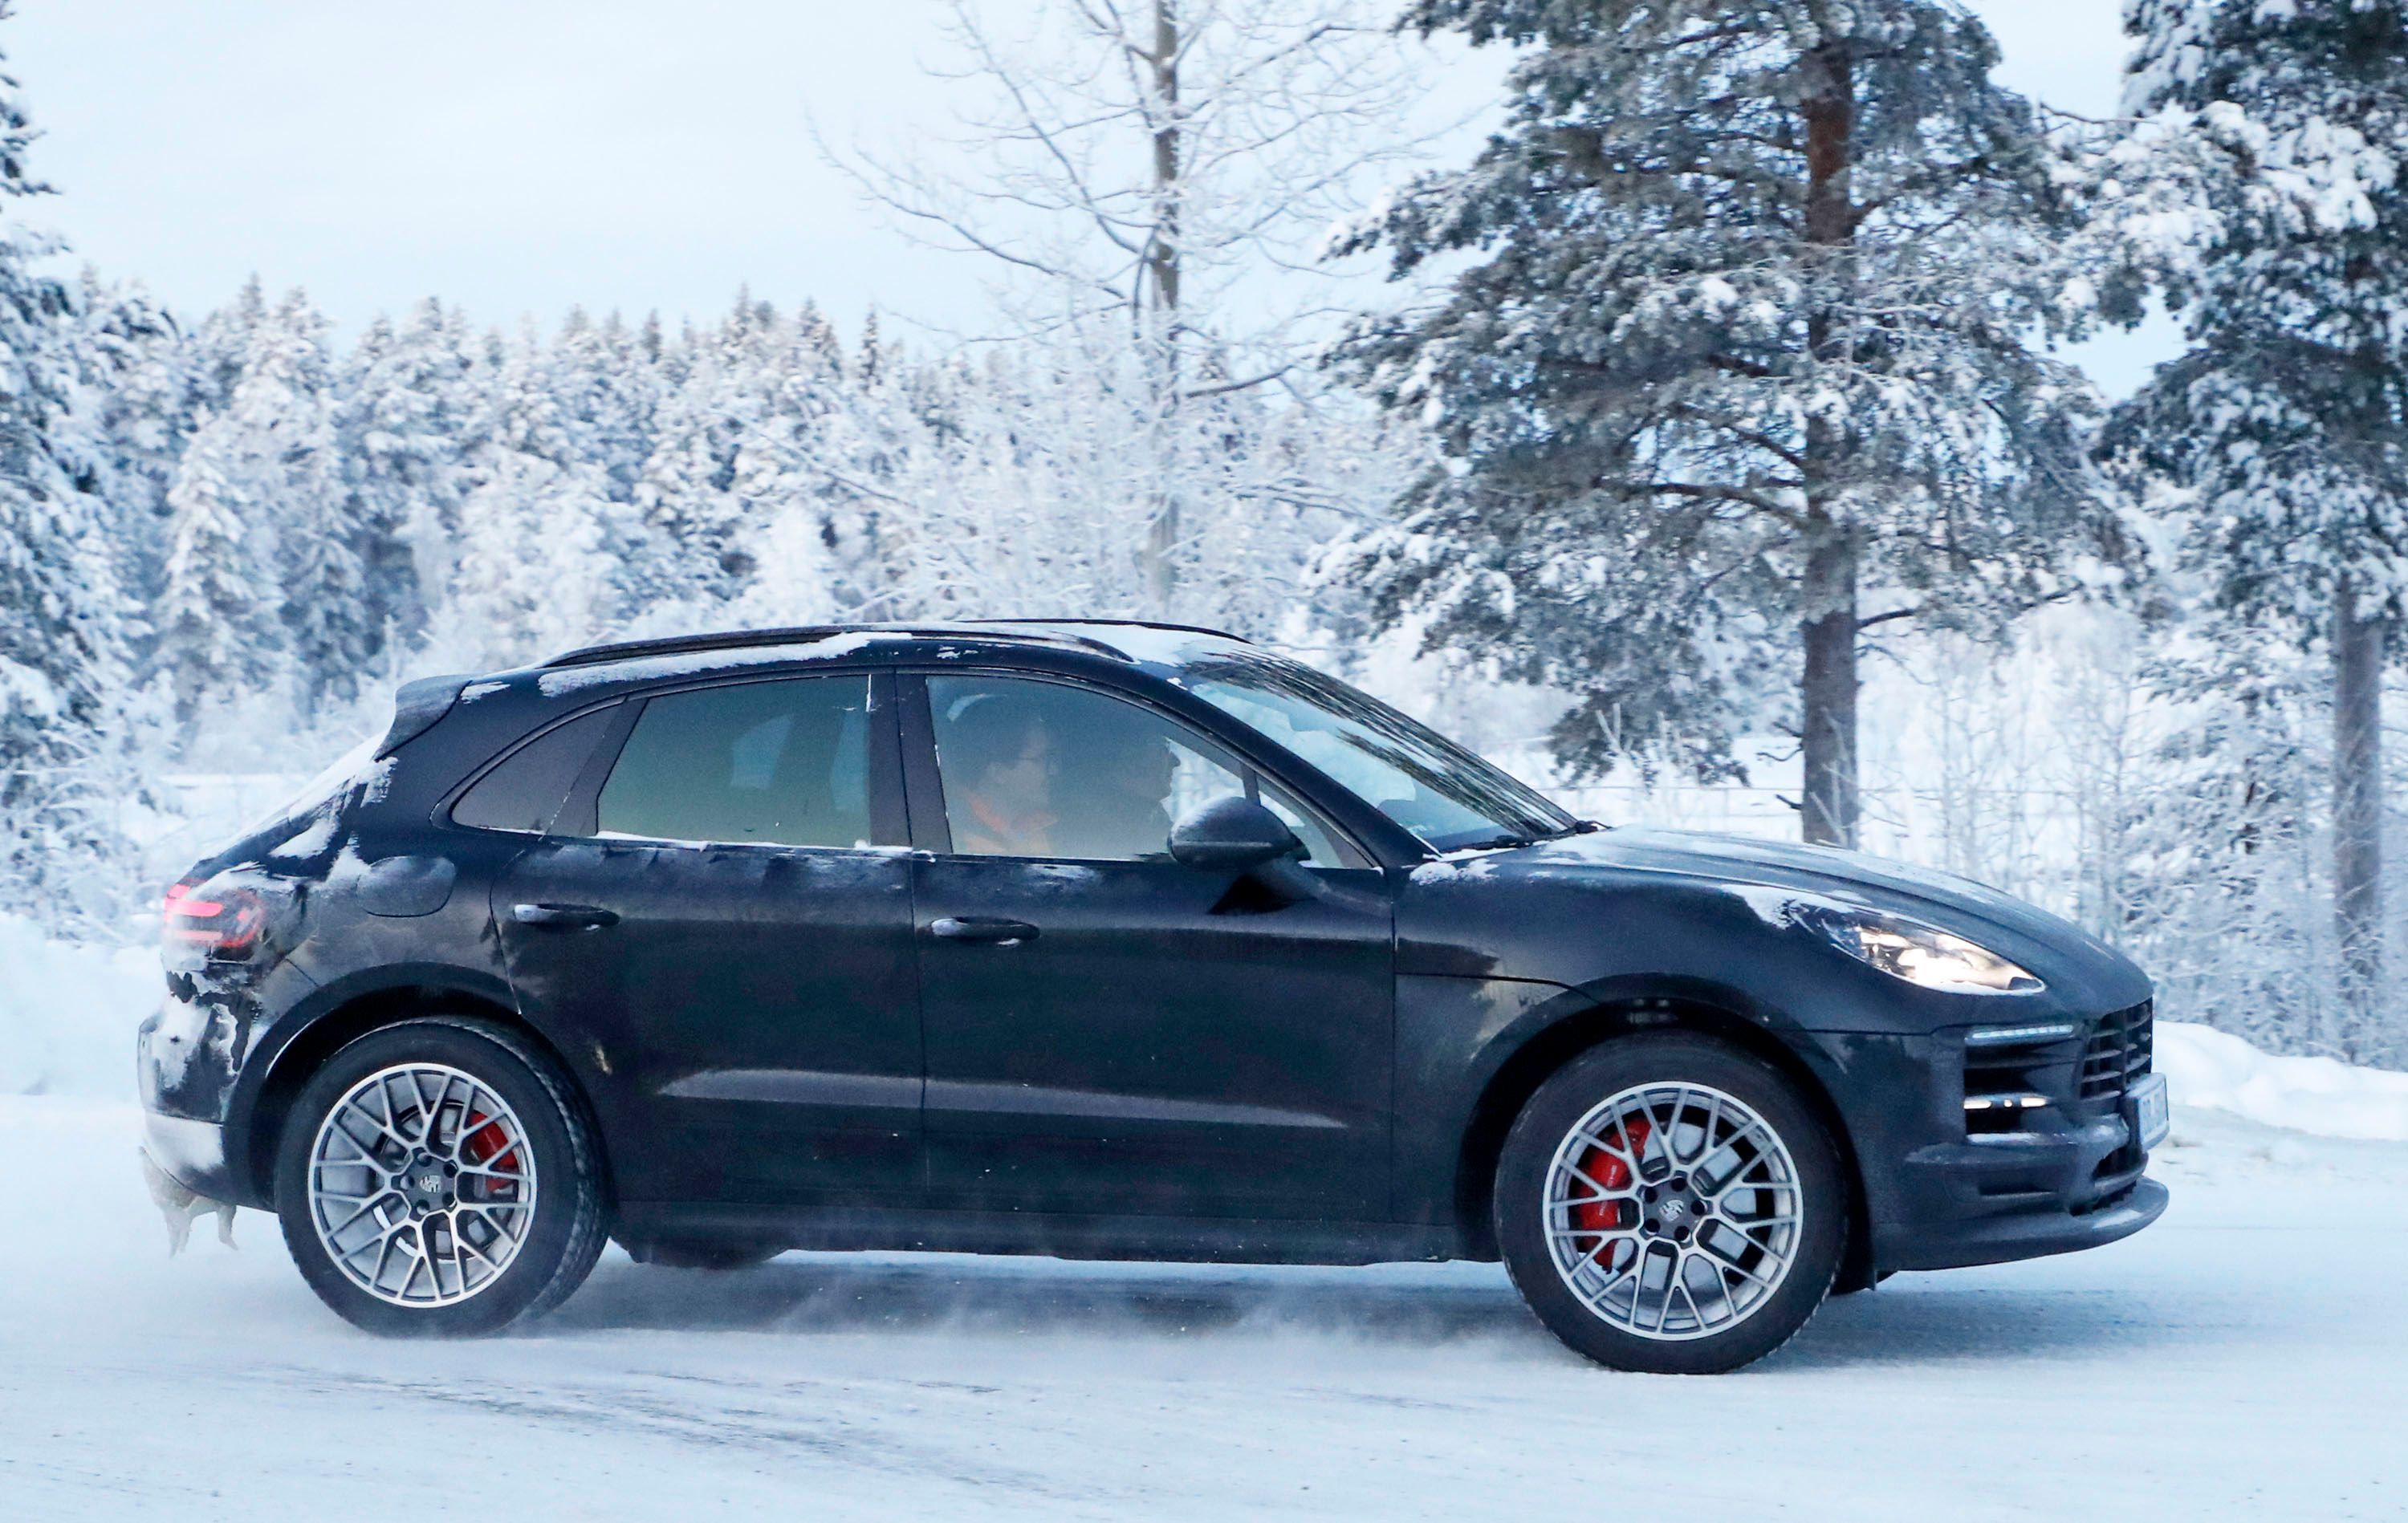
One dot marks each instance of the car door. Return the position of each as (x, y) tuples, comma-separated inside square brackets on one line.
[(1109, 1031), (723, 910)]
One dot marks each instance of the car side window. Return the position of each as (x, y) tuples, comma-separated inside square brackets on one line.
[(527, 789), (772, 763), (1320, 848), (1041, 769)]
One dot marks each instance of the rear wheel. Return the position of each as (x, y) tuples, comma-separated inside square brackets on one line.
[(1666, 1203), (439, 1177)]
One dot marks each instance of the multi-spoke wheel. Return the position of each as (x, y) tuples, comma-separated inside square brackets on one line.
[(439, 1177), (422, 1184), (1666, 1203)]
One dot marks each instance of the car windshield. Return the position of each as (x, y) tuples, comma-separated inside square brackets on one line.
[(1443, 793)]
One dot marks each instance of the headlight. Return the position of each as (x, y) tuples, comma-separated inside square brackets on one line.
[(1920, 954)]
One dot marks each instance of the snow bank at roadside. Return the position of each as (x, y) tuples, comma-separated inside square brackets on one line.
[(2209, 1069), (67, 1013)]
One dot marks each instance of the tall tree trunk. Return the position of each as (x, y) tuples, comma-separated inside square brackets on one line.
[(2357, 805), (1828, 696), (1161, 324)]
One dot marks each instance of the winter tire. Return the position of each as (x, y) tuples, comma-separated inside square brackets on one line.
[(1666, 1203), (440, 1177)]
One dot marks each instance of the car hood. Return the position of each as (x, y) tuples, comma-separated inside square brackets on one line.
[(1766, 874)]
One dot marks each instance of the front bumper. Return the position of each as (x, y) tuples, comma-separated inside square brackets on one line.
[(2078, 1184), (2032, 1234), (1948, 1185)]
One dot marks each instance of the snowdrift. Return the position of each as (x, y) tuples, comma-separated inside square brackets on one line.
[(67, 1012), (2210, 1070)]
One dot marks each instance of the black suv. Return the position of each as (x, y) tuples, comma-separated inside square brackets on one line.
[(1102, 941)]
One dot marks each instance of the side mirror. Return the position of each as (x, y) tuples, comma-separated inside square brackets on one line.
[(1232, 834)]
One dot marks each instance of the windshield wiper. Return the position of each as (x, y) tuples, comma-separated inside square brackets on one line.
[(1497, 843)]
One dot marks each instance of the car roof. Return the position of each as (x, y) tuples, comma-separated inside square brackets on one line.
[(1123, 639)]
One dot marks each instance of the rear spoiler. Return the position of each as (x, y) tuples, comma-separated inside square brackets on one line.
[(416, 708)]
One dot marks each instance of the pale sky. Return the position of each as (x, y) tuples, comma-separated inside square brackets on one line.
[(521, 156)]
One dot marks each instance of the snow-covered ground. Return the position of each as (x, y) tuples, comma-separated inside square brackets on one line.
[(2245, 1359)]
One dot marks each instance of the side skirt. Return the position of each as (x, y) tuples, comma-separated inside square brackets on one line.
[(1198, 1240)]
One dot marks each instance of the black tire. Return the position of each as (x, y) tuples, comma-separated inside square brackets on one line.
[(571, 1215), (696, 1253), (1594, 1078)]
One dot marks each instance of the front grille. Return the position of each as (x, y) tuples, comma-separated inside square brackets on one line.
[(2118, 1053)]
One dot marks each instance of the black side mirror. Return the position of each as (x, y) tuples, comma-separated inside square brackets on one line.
[(1232, 834)]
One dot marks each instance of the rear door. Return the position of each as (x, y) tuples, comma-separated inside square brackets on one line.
[(723, 910), (1110, 1032)]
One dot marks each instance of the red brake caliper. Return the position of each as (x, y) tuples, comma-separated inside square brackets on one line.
[(488, 1148), (1611, 1170)]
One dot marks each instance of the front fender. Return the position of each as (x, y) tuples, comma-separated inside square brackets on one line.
[(1472, 1050)]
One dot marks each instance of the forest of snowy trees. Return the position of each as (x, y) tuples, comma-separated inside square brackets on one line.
[(1717, 416)]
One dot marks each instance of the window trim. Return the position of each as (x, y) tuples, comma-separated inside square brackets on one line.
[(613, 733), (578, 818), (924, 783)]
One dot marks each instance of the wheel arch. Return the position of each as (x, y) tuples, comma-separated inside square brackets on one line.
[(1625, 1011), (342, 1014)]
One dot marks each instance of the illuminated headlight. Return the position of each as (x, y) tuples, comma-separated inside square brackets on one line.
[(1918, 953)]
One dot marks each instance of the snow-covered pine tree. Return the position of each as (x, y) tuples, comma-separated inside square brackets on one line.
[(405, 428), (799, 456), (61, 617), (1751, 344), (2218, 862), (2284, 124), (135, 410), (533, 573), (607, 387), (717, 387), (221, 345), (217, 620), (284, 404)]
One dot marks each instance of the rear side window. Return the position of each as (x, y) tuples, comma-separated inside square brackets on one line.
[(774, 764), (526, 790)]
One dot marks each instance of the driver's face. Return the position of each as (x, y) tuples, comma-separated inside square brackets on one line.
[(1145, 771)]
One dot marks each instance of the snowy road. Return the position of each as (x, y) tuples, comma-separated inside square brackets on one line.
[(2246, 1358)]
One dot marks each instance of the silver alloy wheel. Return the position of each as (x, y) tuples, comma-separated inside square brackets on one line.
[(1673, 1211), (422, 1184)]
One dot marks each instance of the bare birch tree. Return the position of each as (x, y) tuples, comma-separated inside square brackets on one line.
[(1162, 171)]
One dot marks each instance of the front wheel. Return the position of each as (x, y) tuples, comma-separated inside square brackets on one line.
[(1666, 1203), (439, 1177)]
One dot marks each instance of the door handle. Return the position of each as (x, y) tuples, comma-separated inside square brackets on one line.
[(991, 932), (563, 916)]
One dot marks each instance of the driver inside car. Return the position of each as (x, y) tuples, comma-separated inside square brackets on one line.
[(1122, 777), (1007, 753)]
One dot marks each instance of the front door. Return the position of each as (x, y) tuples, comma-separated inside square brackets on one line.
[(730, 923), (1109, 1031)]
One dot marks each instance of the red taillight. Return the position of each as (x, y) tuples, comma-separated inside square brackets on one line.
[(226, 924)]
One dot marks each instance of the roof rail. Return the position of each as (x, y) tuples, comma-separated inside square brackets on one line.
[(675, 644), (679, 645), (1125, 623)]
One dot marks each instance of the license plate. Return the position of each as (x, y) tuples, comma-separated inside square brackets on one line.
[(2148, 1111)]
